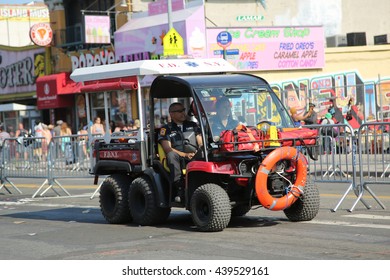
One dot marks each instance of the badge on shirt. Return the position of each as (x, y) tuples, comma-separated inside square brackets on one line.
[(163, 131)]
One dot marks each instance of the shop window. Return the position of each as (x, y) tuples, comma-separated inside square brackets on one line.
[(98, 100)]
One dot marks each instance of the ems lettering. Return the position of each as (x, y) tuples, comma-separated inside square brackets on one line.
[(168, 65), (212, 63), (109, 154)]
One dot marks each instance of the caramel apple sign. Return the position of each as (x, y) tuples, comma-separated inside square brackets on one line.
[(41, 34)]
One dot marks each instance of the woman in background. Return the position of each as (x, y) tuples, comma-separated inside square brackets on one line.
[(97, 127)]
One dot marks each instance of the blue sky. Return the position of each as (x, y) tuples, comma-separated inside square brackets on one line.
[(17, 1)]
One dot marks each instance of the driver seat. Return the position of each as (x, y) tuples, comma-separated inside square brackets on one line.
[(163, 159)]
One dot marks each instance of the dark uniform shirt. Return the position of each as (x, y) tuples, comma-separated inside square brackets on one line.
[(176, 136), (312, 119), (217, 125)]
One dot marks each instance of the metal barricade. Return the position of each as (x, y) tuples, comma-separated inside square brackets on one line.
[(33, 157), (23, 158), (4, 158), (337, 161), (67, 158), (373, 151), (334, 154), (357, 159)]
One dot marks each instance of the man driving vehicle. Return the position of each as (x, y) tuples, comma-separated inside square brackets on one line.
[(172, 141)]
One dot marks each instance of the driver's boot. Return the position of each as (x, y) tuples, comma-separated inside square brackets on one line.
[(179, 187)]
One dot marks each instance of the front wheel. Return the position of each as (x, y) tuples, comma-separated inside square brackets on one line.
[(210, 208), (307, 205), (143, 205)]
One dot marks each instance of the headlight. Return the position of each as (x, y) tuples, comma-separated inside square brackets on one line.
[(243, 168), (264, 127)]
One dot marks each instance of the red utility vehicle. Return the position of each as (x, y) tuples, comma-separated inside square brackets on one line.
[(261, 162)]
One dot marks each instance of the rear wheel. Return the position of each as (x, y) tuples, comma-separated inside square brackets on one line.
[(113, 199), (307, 205), (210, 208), (143, 205)]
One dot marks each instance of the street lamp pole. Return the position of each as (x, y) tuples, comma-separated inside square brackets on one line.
[(170, 25)]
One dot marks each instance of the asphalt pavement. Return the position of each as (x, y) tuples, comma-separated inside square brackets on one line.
[(61, 227)]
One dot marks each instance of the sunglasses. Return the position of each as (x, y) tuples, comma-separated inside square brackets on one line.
[(179, 111)]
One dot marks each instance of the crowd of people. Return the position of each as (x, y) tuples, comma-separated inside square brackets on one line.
[(310, 117), (34, 141)]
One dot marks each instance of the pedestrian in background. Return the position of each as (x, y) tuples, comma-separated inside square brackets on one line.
[(97, 127), (46, 141), (311, 115), (3, 134), (57, 128), (66, 143), (21, 133), (137, 124), (327, 133), (83, 140)]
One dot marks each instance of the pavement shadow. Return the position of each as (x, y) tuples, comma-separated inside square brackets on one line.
[(178, 220), (71, 214), (182, 221)]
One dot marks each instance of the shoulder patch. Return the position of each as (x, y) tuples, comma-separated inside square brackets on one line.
[(163, 131)]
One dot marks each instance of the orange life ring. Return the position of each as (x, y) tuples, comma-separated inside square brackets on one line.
[(300, 164)]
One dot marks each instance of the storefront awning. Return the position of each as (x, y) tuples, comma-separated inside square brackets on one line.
[(15, 107), (125, 83), (52, 91)]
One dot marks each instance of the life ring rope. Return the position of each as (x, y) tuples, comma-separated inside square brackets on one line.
[(295, 190)]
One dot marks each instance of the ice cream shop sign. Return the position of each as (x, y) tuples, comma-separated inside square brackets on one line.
[(92, 58)]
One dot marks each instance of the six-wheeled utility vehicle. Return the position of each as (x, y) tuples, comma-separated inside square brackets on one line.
[(259, 162)]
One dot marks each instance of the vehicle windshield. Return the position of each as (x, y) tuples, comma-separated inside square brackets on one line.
[(225, 108)]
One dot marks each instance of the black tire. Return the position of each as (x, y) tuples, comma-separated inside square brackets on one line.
[(240, 210), (143, 205), (113, 199), (210, 208), (306, 207)]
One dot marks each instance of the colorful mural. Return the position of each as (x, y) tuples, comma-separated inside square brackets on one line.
[(347, 93)]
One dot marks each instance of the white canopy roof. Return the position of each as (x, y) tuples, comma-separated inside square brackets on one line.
[(15, 107), (152, 67)]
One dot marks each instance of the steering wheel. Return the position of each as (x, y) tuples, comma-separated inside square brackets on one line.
[(260, 123), (189, 147)]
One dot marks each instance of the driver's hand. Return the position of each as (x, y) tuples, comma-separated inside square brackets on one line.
[(189, 155)]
